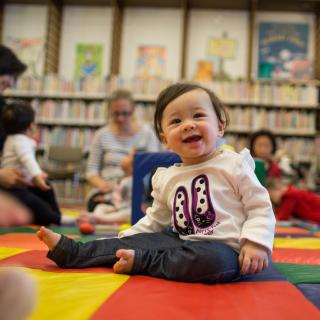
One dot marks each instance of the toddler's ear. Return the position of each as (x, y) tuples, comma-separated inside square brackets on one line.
[(221, 130), (163, 138)]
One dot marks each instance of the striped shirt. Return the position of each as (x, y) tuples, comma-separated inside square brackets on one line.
[(108, 149)]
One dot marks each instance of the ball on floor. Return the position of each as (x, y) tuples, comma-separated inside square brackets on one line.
[(86, 228)]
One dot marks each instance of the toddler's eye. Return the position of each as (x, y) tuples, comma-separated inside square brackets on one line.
[(199, 115), (175, 121)]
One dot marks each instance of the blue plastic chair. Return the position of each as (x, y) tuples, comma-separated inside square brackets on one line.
[(143, 164), (146, 162)]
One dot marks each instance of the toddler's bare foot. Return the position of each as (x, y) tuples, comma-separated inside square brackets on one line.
[(49, 237), (125, 262)]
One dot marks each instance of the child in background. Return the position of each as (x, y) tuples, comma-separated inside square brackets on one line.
[(291, 202), (263, 146), (118, 206), (19, 153), (210, 221)]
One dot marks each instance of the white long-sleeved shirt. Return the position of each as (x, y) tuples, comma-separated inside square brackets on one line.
[(220, 199), (19, 153)]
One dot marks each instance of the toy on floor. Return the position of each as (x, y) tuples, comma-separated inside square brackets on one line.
[(86, 228)]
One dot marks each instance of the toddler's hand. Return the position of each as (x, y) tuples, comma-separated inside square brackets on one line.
[(253, 258), (40, 181)]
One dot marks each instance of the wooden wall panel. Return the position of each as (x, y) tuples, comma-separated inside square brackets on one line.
[(116, 37), (54, 23)]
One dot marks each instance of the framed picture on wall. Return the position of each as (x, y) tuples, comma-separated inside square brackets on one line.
[(88, 60), (151, 61), (283, 51)]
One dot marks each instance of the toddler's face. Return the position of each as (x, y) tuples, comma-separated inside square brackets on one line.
[(263, 148), (190, 127)]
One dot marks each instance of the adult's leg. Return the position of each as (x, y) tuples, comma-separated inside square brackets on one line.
[(42, 212), (48, 196)]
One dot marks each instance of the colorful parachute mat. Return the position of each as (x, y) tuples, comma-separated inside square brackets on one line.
[(289, 289)]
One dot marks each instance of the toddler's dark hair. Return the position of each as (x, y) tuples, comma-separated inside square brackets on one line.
[(9, 63), (262, 133), (174, 91), (17, 117)]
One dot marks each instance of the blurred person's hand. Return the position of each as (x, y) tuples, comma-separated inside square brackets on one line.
[(11, 178), (40, 181)]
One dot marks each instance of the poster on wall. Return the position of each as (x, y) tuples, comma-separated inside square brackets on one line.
[(283, 51), (204, 71), (30, 51), (221, 49), (88, 60), (151, 61)]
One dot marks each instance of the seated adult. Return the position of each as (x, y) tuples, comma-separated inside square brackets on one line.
[(121, 135), (10, 210)]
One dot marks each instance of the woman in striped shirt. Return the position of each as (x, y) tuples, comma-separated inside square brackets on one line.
[(117, 139)]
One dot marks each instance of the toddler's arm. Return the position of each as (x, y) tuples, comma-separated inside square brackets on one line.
[(253, 257)]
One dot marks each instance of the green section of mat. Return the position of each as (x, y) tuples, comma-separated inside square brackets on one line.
[(74, 231), (17, 230), (299, 273)]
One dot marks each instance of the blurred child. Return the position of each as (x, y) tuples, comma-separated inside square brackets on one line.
[(291, 202), (118, 206), (19, 153), (263, 146)]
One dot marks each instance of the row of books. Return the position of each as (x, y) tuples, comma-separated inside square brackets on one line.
[(70, 111), (278, 120), (273, 93), (277, 93), (58, 135), (52, 83)]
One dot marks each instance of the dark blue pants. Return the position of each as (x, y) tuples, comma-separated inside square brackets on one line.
[(162, 255), (42, 204)]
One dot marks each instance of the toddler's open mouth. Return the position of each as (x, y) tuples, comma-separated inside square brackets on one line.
[(193, 138)]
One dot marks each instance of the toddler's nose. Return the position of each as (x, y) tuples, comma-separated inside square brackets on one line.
[(189, 125)]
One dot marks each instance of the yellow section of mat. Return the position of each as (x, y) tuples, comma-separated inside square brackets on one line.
[(62, 295), (297, 243), (9, 252)]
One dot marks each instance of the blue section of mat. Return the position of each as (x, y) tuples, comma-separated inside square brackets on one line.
[(311, 291)]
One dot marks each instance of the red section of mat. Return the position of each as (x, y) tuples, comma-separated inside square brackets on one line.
[(36, 259), (22, 240), (292, 230), (296, 256), (156, 299)]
